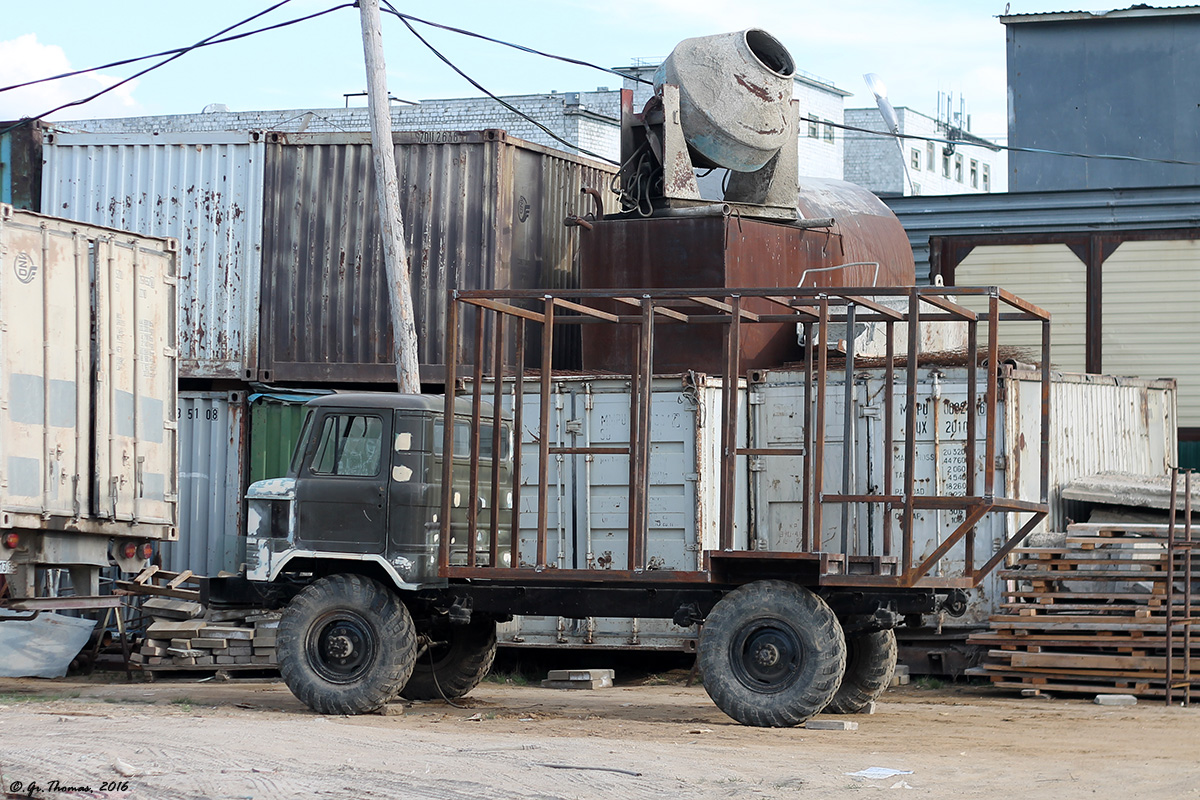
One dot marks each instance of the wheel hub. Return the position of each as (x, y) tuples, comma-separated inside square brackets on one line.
[(767, 656), (342, 647)]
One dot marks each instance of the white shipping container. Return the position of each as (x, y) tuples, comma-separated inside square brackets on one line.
[(87, 381), (212, 475), (1098, 423), (202, 188)]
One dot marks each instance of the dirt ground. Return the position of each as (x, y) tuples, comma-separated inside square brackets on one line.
[(252, 739)]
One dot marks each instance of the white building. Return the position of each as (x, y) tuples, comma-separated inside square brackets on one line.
[(972, 166)]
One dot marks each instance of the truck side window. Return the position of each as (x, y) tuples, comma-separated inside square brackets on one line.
[(462, 440), (350, 444)]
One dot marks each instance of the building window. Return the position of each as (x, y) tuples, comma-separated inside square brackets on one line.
[(974, 174), (916, 158), (829, 130), (945, 164), (916, 188), (929, 159), (987, 178), (958, 175), (814, 131)]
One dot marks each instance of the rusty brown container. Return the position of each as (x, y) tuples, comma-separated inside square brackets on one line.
[(719, 251), (481, 210)]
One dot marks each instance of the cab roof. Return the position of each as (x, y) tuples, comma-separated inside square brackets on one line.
[(396, 401)]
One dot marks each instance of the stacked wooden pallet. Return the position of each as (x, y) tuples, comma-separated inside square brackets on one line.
[(183, 635), (1089, 616)]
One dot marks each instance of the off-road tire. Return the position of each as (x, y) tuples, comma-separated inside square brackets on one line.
[(772, 654), (346, 645), (451, 670), (870, 662)]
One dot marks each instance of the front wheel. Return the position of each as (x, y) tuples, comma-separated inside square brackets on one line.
[(772, 654), (346, 645), (457, 659)]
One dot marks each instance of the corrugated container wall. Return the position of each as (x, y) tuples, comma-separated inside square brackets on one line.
[(87, 378), (21, 165), (205, 189), (275, 424), (481, 210), (212, 446)]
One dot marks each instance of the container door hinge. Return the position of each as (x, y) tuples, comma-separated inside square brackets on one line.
[(870, 412), (757, 464), (755, 398), (1001, 462), (692, 476)]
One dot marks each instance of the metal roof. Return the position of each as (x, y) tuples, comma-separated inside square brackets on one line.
[(924, 216), (1094, 16)]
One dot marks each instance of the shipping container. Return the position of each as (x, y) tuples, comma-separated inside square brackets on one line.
[(21, 164), (88, 379), (481, 210), (1098, 423), (588, 509), (275, 422), (212, 474), (202, 188)]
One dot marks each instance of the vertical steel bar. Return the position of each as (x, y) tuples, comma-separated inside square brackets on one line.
[(448, 433), (544, 431), (1170, 599), (993, 372), (889, 433), (847, 425), (1045, 487), (497, 438), (1188, 555), (912, 361), (818, 541), (518, 434), (972, 401), (647, 397), (806, 487), (635, 408), (476, 424), (729, 410)]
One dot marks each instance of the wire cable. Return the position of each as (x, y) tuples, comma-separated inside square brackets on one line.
[(179, 50), (502, 102), (521, 47), (1016, 148), (151, 68)]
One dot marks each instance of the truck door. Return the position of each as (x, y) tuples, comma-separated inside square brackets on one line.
[(341, 500)]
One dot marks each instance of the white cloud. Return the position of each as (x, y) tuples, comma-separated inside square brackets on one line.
[(25, 58)]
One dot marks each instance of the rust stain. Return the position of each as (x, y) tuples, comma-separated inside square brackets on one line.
[(761, 92)]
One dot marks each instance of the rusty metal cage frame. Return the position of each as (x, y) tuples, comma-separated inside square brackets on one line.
[(815, 310)]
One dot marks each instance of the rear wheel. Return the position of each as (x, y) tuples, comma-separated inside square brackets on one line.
[(772, 654), (455, 662), (870, 662), (346, 645)]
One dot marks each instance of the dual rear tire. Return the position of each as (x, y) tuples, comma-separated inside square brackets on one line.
[(773, 654)]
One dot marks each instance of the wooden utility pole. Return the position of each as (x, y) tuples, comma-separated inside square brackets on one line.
[(395, 256)]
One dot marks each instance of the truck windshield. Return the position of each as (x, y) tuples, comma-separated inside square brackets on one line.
[(301, 445), (350, 444)]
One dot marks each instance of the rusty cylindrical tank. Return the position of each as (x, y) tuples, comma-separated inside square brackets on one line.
[(724, 251), (734, 94)]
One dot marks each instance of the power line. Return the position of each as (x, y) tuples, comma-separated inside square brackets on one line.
[(520, 47), (150, 68), (1016, 148), (477, 85), (179, 50)]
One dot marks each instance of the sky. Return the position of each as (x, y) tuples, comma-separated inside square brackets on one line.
[(918, 47)]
